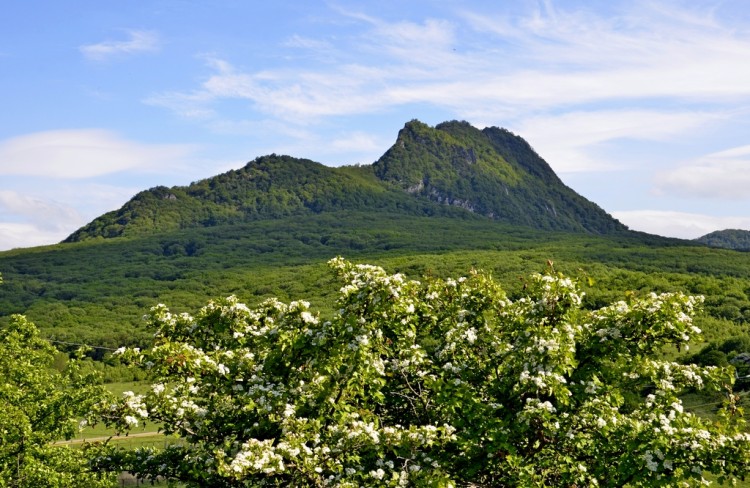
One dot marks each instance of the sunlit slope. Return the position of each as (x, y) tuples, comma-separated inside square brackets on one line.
[(449, 170)]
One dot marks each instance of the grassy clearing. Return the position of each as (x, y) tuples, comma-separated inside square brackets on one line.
[(154, 440)]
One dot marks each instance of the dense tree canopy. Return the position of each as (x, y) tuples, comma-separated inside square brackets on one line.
[(39, 405), (442, 383), (451, 169), (729, 238)]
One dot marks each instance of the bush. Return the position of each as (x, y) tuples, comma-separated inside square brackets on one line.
[(442, 383), (40, 405)]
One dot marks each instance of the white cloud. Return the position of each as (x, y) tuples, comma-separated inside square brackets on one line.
[(19, 235), (83, 153), (47, 211), (567, 140), (187, 105), (28, 221), (355, 141), (495, 67), (138, 41), (645, 50), (426, 44), (678, 224), (300, 42), (721, 175), (338, 149), (48, 215)]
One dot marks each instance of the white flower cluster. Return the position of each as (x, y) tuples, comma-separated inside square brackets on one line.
[(542, 379), (557, 290), (653, 464), (370, 397), (609, 333), (134, 407), (667, 316), (256, 457)]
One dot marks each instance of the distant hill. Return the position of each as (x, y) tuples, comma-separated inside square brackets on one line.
[(452, 169), (736, 239)]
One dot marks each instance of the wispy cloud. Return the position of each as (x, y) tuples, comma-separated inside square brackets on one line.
[(679, 224), (44, 211), (721, 175), (25, 220), (490, 66), (300, 42), (84, 153), (55, 181), (18, 234), (138, 41), (355, 141), (424, 44), (47, 214), (347, 147), (569, 141)]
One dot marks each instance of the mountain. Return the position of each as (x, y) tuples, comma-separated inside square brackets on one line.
[(268, 187), (491, 172), (452, 169), (736, 239), (440, 202)]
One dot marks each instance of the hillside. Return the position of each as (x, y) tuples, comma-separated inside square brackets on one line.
[(736, 239), (452, 169), (269, 187), (441, 201), (97, 291), (491, 172)]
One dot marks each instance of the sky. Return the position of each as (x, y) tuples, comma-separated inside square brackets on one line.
[(640, 106)]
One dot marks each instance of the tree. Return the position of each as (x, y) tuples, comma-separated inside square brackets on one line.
[(443, 383), (39, 405)]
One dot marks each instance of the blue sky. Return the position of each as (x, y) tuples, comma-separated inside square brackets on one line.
[(641, 106)]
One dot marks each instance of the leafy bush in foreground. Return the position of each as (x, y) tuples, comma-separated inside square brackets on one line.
[(39, 405), (443, 383)]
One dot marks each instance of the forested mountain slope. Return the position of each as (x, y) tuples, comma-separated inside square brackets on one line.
[(96, 291), (269, 187), (452, 169), (729, 239), (441, 200), (491, 172)]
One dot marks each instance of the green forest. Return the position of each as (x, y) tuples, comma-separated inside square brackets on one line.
[(95, 292), (644, 320)]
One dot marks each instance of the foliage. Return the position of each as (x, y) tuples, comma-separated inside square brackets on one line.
[(730, 238), (442, 383), (452, 169), (39, 405), (95, 292), (491, 172), (734, 350)]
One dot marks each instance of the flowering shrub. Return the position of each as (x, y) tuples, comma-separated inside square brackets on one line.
[(445, 383)]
